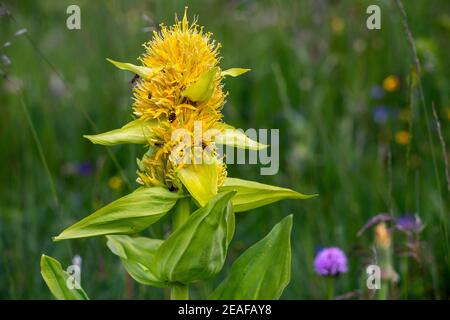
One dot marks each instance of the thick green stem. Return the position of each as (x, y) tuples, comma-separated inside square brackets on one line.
[(179, 292), (181, 215), (383, 293), (330, 288), (387, 271)]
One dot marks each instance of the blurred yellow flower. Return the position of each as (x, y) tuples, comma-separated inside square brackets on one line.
[(402, 137), (382, 236), (404, 114), (337, 25), (115, 182), (391, 83), (448, 113)]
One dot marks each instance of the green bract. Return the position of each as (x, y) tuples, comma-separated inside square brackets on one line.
[(251, 195), (202, 89), (234, 72), (228, 135), (136, 131), (200, 180), (141, 71)]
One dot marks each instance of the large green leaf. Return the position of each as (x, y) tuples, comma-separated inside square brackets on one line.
[(197, 249), (263, 270), (228, 135), (136, 255), (57, 281), (141, 71), (136, 131), (203, 88), (251, 195), (200, 180), (129, 214)]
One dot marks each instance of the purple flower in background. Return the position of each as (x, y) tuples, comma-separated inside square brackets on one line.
[(409, 223), (376, 92), (85, 168), (77, 168), (330, 262), (380, 114)]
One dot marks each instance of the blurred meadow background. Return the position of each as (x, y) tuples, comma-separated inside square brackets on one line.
[(355, 117)]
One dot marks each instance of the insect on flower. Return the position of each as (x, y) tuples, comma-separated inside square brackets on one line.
[(134, 81)]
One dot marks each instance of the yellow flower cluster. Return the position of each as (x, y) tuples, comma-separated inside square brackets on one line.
[(179, 57)]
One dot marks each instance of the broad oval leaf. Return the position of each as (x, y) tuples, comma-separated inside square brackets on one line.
[(58, 281), (203, 88), (197, 249), (129, 214), (136, 255), (141, 71), (200, 180), (251, 195), (136, 131), (234, 72), (263, 270), (230, 136)]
